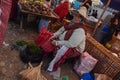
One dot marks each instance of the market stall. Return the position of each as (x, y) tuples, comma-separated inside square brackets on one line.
[(108, 63), (36, 8)]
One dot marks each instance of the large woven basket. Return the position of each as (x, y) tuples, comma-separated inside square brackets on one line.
[(107, 63)]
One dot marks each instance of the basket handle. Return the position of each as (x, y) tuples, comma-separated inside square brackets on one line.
[(40, 64), (30, 65)]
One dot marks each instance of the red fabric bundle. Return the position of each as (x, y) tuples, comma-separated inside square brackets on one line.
[(43, 40), (62, 10), (70, 53)]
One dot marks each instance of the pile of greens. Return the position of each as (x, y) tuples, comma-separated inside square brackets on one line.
[(34, 48), (21, 43)]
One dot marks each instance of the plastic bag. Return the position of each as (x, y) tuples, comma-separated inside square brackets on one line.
[(64, 78), (43, 40), (56, 74), (85, 64), (88, 76)]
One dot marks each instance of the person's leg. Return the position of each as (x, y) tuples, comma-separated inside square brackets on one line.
[(58, 56)]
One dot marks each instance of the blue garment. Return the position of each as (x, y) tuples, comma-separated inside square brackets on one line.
[(43, 23), (105, 28), (76, 5), (88, 76)]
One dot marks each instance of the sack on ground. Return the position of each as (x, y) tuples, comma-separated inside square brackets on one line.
[(85, 64)]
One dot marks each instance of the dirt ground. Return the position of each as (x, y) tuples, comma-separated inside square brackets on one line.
[(10, 63)]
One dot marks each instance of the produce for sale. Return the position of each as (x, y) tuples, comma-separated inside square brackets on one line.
[(36, 7)]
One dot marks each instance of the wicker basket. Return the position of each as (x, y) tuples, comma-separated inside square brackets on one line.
[(32, 73), (90, 28), (107, 63)]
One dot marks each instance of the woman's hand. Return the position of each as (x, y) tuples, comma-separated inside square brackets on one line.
[(54, 42), (52, 38)]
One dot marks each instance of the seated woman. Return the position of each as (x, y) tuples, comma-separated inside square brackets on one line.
[(109, 30), (71, 38)]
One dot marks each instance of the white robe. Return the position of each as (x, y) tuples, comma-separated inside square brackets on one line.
[(77, 40)]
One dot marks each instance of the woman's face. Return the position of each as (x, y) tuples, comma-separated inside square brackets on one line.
[(76, 19), (116, 22)]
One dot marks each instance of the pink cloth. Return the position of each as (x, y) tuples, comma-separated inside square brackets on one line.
[(5, 5), (85, 64)]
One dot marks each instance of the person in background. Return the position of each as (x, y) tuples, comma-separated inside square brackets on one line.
[(107, 19), (44, 21), (62, 9), (70, 37), (85, 7), (94, 13), (118, 27), (109, 30)]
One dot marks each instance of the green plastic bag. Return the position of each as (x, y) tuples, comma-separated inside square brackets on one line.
[(64, 78)]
